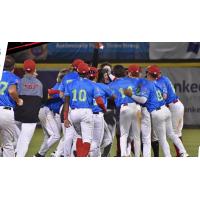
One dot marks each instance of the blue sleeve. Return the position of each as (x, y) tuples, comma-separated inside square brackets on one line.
[(66, 91), (96, 92), (144, 91), (61, 86), (14, 80)]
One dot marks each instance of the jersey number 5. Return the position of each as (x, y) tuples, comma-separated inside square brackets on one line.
[(81, 95), (3, 87)]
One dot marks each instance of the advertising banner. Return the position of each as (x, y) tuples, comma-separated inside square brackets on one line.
[(174, 50), (187, 85)]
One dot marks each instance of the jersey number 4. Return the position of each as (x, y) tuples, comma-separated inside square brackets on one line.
[(3, 87), (81, 95)]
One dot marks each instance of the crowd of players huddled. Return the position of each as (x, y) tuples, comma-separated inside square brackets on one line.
[(88, 108)]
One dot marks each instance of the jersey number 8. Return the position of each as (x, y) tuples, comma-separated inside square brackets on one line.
[(159, 95), (81, 95), (3, 87)]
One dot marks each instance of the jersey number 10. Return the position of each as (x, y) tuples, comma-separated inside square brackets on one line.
[(80, 95)]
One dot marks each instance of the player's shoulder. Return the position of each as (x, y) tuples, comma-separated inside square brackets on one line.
[(10, 76)]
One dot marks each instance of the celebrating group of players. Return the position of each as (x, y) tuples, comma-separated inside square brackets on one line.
[(91, 106)]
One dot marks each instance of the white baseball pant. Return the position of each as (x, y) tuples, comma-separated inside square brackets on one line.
[(83, 123), (177, 113), (26, 133), (146, 132), (50, 129), (97, 135), (129, 129), (7, 131)]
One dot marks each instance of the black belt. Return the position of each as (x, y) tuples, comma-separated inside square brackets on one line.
[(7, 108), (158, 108), (96, 113)]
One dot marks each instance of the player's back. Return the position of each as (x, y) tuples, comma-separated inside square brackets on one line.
[(153, 94), (118, 87), (7, 80), (171, 94), (105, 92), (81, 92), (67, 79)]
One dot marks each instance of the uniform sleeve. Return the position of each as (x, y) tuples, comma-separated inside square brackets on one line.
[(169, 84), (14, 81), (61, 86), (66, 90), (96, 91), (144, 91)]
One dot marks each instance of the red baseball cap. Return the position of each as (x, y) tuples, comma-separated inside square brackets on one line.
[(83, 68), (93, 72), (77, 62), (134, 68), (29, 65), (153, 69)]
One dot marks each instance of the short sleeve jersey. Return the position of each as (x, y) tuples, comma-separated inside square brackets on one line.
[(6, 81), (81, 92)]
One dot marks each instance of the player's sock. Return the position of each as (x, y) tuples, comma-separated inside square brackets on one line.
[(85, 149), (79, 143), (177, 150), (118, 153), (155, 147)]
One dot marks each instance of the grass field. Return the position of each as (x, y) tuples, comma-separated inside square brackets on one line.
[(191, 139)]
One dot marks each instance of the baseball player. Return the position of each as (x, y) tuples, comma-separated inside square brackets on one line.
[(8, 100), (173, 103), (26, 116), (152, 96), (98, 114), (79, 95), (129, 121), (49, 117), (111, 117)]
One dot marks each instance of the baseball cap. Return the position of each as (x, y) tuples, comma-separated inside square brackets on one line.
[(134, 68), (153, 69), (83, 68), (77, 62), (29, 65), (93, 72)]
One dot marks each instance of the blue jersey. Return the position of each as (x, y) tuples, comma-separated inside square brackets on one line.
[(7, 80), (170, 91), (118, 87), (81, 93), (105, 92), (67, 79), (153, 93), (55, 102)]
